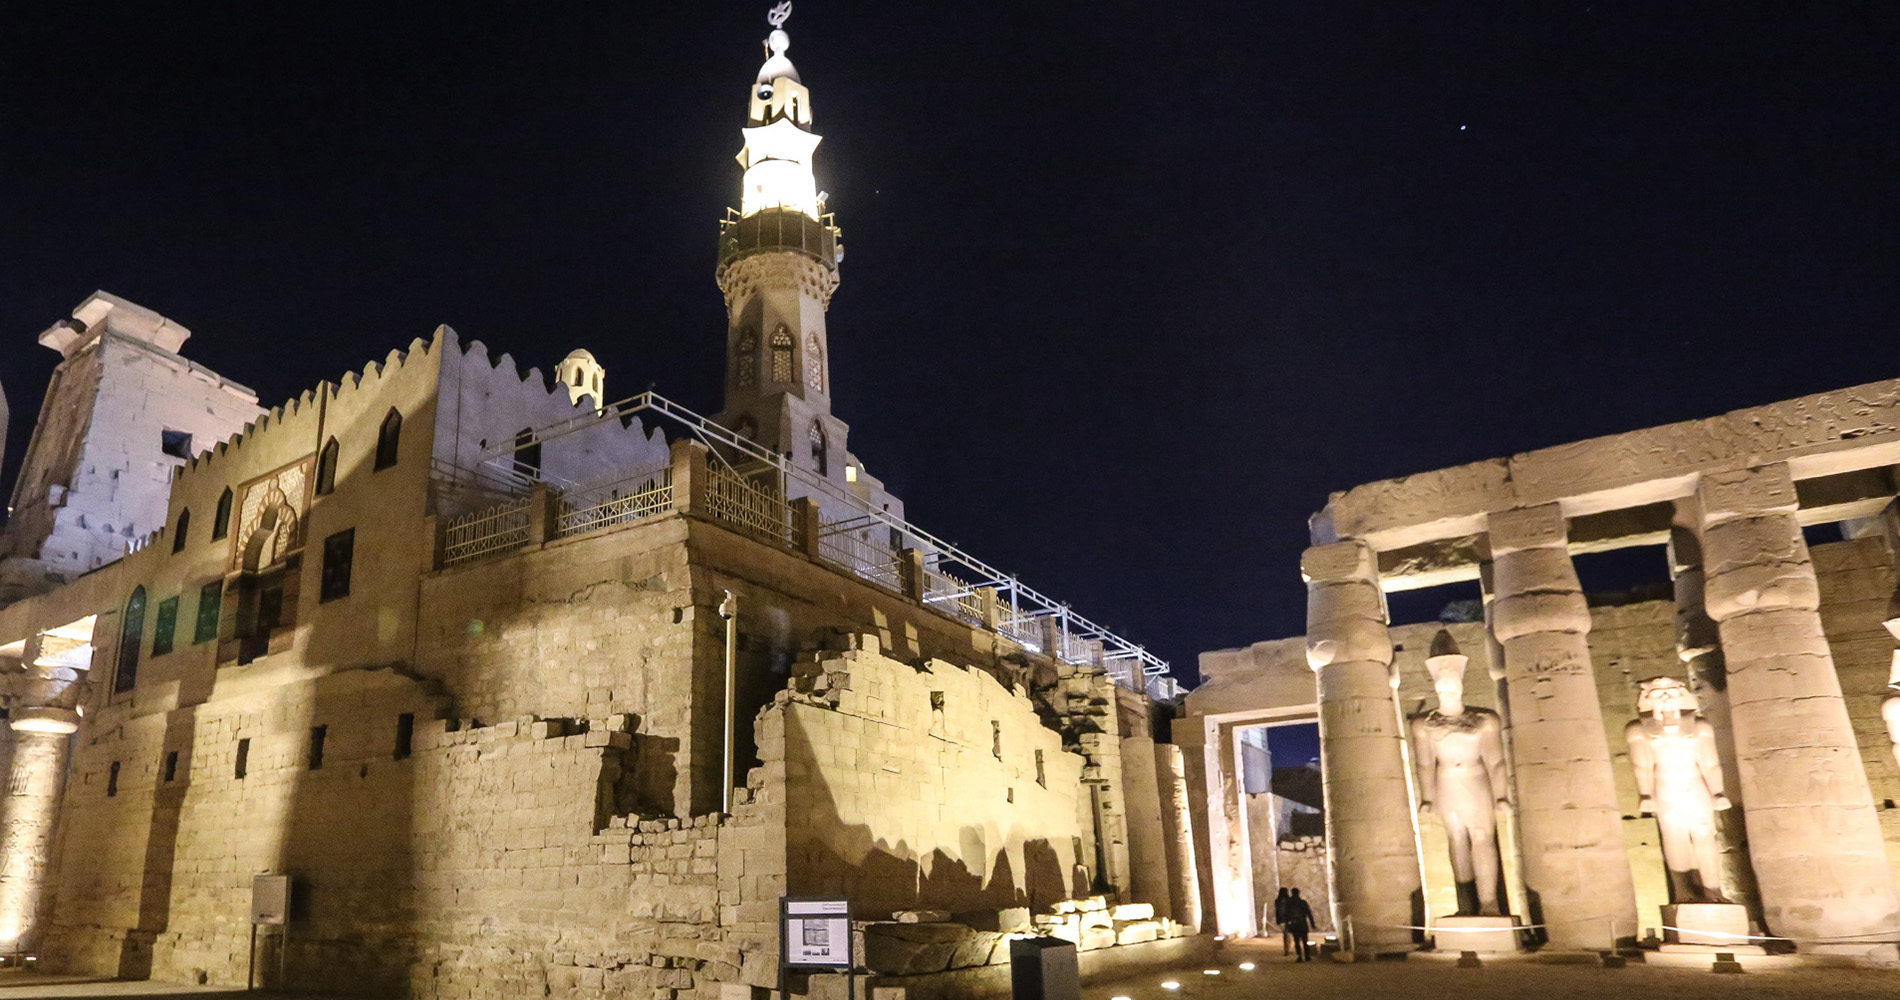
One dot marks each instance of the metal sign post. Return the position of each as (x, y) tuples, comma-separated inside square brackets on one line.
[(270, 905), (815, 933)]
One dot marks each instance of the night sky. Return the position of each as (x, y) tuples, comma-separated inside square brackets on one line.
[(1130, 287)]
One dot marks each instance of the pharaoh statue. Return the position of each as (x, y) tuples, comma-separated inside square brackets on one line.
[(1679, 779), (1459, 753)]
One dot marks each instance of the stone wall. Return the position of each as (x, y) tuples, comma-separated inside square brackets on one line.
[(927, 787)]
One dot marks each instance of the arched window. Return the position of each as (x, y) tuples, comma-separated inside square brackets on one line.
[(130, 630), (527, 454), (781, 354), (183, 529), (746, 359), (819, 459), (221, 524), (814, 363), (326, 468), (387, 439)]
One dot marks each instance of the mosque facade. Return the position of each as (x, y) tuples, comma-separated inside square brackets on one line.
[(446, 679)]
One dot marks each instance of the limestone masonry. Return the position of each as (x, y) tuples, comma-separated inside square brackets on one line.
[(527, 699)]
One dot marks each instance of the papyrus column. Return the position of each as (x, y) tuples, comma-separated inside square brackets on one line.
[(1177, 820), (1812, 833), (1700, 649), (41, 737), (1576, 870), (1374, 853)]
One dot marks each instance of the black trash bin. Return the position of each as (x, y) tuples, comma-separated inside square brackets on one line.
[(1043, 968)]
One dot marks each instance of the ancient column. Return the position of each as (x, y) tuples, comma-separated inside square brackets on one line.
[(1700, 649), (1812, 833), (1576, 872), (41, 738), (1377, 894), (1177, 818)]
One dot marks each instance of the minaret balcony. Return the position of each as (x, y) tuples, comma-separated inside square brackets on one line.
[(779, 229)]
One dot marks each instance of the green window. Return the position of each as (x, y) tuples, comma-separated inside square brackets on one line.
[(167, 624), (210, 605)]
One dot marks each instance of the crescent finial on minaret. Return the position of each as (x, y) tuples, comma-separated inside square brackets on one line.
[(780, 14)]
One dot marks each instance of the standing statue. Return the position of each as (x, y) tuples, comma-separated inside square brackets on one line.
[(1679, 779), (1459, 754)]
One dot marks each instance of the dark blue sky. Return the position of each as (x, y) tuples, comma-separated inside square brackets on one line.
[(1131, 287)]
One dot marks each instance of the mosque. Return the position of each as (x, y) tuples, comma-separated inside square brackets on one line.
[(611, 681)]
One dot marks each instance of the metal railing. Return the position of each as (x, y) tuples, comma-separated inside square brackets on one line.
[(866, 559), (747, 506), (639, 496), (952, 596), (503, 528), (1021, 610)]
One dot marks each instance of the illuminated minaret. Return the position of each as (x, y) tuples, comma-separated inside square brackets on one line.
[(778, 265)]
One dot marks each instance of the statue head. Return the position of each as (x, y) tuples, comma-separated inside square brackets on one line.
[(1447, 667), (1665, 696)]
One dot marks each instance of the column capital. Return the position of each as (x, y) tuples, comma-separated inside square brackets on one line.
[(1746, 492), (44, 719), (1350, 561), (1539, 527)]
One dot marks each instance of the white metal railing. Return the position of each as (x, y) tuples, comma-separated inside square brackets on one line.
[(867, 559), (501, 528), (1021, 610), (952, 596), (761, 512), (630, 499)]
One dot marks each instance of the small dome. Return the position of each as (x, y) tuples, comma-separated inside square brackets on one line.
[(777, 66)]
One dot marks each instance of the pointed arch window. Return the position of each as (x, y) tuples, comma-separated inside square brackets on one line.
[(387, 439), (746, 361), (814, 363), (130, 631), (221, 522), (182, 531), (326, 469), (781, 354), (820, 459)]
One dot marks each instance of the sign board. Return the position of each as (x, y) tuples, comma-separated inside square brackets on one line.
[(816, 933), (270, 899)]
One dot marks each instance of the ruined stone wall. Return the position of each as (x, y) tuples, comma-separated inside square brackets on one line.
[(927, 787)]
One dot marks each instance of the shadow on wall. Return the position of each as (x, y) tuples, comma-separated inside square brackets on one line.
[(827, 856), (161, 845)]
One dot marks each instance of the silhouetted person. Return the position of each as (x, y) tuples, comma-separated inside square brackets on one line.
[(1279, 920), (1299, 923)]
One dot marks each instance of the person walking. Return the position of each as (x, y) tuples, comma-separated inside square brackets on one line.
[(1279, 920), (1299, 923)]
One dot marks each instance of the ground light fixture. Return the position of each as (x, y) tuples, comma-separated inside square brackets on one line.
[(1170, 985), (1246, 966), (1210, 972)]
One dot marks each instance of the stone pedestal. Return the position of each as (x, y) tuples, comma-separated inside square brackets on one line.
[(1707, 925), (1812, 833), (1484, 935), (1576, 868), (1376, 881)]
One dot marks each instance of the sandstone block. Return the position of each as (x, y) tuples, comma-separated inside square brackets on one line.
[(1132, 911), (921, 916), (1138, 932)]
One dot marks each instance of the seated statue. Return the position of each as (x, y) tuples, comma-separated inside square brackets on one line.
[(1679, 779), (1459, 754)]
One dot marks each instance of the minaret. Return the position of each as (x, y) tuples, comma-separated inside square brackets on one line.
[(778, 265)]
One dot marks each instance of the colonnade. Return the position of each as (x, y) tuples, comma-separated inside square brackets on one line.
[(1812, 841)]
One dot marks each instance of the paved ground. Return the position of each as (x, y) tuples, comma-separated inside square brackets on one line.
[(1423, 979), (1279, 978)]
